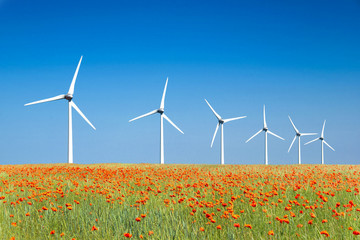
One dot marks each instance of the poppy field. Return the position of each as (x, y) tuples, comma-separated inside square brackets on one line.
[(146, 201)]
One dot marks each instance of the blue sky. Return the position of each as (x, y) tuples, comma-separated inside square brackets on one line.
[(299, 58)]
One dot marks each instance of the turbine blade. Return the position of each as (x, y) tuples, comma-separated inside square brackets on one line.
[(254, 135), (322, 132), (216, 115), (311, 141), (275, 135), (308, 134), (292, 143), (232, 119), (329, 146), (81, 114), (296, 130), (72, 86), (145, 115), (265, 126), (217, 127), (47, 100), (168, 119), (162, 105)]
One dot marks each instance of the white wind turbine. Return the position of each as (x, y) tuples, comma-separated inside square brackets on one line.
[(221, 123), (321, 138), (71, 104), (162, 116), (266, 130), (298, 134)]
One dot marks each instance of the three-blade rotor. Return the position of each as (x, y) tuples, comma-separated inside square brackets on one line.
[(220, 121), (265, 129), (321, 138), (161, 110), (298, 134), (68, 96)]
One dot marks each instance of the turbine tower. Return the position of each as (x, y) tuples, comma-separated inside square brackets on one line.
[(321, 138), (71, 104), (162, 116), (266, 130), (221, 123), (298, 135)]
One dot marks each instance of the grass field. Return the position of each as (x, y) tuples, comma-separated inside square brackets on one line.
[(120, 201)]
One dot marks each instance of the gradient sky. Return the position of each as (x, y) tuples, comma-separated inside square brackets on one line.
[(297, 57)]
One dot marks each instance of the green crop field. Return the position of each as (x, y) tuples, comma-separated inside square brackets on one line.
[(121, 201)]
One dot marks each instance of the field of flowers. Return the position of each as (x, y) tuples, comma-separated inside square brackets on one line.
[(119, 201)]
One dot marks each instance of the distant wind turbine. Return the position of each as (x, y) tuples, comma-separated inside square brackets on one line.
[(298, 134), (322, 143), (162, 116), (221, 123), (71, 104), (266, 130)]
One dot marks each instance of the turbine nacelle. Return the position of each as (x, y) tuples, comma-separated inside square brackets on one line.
[(160, 110), (298, 134), (68, 97), (321, 138), (265, 129), (221, 121)]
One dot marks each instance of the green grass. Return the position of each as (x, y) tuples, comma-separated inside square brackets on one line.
[(111, 196)]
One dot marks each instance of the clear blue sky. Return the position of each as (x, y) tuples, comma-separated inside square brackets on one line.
[(299, 58)]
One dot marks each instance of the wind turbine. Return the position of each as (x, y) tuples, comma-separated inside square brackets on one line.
[(162, 116), (71, 104), (298, 135), (321, 138), (221, 123), (266, 130)]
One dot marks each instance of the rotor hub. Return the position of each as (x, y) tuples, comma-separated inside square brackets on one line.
[(160, 110), (265, 129), (68, 97), (221, 121)]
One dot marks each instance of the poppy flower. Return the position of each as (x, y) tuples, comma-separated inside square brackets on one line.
[(325, 233), (128, 235), (248, 226)]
